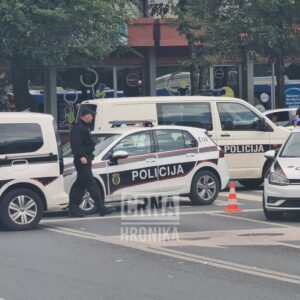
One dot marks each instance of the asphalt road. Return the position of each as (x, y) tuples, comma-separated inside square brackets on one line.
[(207, 254)]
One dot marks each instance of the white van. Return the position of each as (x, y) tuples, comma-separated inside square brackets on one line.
[(31, 169), (234, 124)]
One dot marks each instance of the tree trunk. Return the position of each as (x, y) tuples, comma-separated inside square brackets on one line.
[(279, 70), (193, 67), (22, 98)]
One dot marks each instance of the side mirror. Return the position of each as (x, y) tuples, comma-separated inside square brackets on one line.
[(118, 155), (271, 154)]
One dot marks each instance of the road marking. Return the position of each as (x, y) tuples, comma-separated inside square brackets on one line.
[(55, 220), (244, 196), (255, 221), (269, 274)]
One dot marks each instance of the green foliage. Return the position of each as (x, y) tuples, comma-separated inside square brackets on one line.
[(265, 27), (50, 31)]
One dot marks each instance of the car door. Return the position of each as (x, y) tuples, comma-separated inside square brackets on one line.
[(135, 175), (243, 139), (177, 154), (25, 154)]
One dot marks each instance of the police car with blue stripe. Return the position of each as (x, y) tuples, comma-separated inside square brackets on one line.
[(141, 161)]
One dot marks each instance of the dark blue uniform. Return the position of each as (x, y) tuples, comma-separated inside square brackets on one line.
[(83, 145)]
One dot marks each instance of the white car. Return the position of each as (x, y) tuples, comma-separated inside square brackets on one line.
[(142, 161), (31, 164), (282, 116), (282, 185)]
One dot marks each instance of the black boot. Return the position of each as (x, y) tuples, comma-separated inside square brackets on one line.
[(74, 212)]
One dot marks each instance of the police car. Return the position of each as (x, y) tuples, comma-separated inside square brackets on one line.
[(139, 161), (31, 176), (282, 185)]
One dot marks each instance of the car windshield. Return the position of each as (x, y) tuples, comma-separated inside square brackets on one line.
[(101, 140), (292, 146)]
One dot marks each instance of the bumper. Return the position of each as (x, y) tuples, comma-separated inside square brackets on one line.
[(57, 198), (224, 175), (281, 198)]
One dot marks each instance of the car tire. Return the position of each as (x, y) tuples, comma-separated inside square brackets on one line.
[(21, 209), (251, 183), (205, 188), (272, 215)]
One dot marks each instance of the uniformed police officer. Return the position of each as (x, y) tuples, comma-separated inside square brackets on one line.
[(83, 145)]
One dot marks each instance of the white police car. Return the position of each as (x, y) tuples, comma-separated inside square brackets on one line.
[(134, 161), (282, 185), (31, 176)]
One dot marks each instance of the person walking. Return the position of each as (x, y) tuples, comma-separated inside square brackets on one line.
[(82, 146)]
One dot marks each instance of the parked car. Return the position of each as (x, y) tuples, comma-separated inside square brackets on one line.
[(282, 116), (137, 161), (282, 184), (31, 163), (234, 124)]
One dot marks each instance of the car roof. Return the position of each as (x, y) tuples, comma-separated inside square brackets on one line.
[(132, 129), (279, 110), (25, 116), (163, 99)]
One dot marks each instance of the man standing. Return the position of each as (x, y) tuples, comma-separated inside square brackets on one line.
[(83, 145)]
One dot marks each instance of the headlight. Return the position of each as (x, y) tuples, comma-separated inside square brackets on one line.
[(278, 176), (275, 178)]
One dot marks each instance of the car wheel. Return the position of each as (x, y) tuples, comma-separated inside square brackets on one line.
[(205, 188), (272, 215), (87, 204), (21, 209), (251, 183)]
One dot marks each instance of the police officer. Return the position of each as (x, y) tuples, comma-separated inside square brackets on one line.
[(83, 145)]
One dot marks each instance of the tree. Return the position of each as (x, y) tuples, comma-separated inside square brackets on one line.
[(268, 28), (55, 33), (195, 22)]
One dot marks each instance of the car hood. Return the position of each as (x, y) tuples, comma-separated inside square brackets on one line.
[(290, 166)]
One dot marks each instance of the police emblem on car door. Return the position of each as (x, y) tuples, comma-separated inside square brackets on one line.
[(137, 173), (177, 156)]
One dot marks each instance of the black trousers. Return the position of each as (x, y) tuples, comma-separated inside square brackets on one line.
[(85, 181)]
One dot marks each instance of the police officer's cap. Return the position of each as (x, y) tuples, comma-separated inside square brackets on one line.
[(86, 111)]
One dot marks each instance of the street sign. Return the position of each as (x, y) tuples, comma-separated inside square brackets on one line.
[(132, 79), (219, 73)]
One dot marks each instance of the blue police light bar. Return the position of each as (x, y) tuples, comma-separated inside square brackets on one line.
[(118, 123)]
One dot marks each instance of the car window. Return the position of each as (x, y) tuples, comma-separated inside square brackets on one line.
[(280, 118), (292, 146), (101, 140), (20, 138), (169, 140), (237, 117), (135, 144), (185, 114)]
